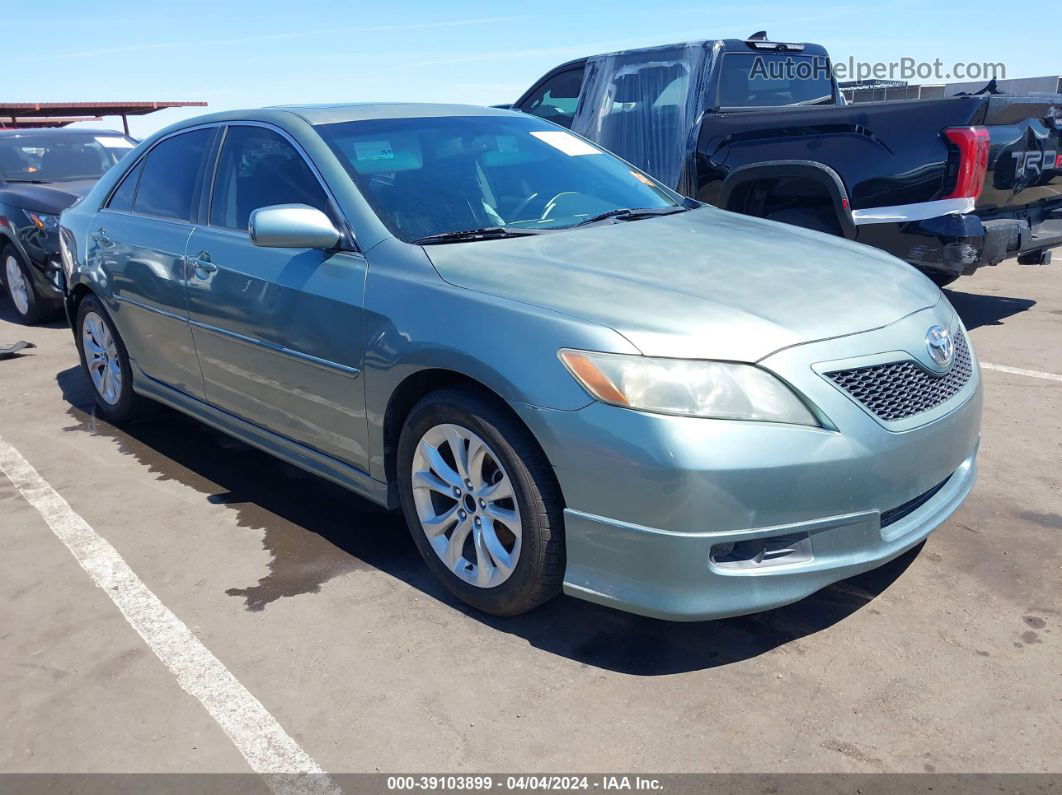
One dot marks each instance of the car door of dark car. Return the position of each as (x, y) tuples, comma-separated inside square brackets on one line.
[(137, 241), (278, 330)]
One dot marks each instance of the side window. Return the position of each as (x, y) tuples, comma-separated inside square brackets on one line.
[(122, 198), (557, 98), (259, 168), (171, 176)]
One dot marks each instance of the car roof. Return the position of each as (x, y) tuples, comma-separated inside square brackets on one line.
[(362, 111), (735, 45), (342, 112)]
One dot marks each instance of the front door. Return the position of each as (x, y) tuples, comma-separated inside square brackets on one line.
[(138, 242), (278, 331)]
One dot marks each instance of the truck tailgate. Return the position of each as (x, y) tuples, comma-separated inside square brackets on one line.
[(1025, 161)]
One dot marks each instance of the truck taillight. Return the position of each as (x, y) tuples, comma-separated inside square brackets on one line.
[(973, 144)]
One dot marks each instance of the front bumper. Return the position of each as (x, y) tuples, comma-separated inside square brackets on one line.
[(649, 496), (672, 576)]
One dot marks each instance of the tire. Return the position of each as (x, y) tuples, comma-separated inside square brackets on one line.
[(512, 572), (941, 279), (29, 306), (807, 219), (102, 350)]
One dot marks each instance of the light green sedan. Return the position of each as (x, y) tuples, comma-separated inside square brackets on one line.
[(566, 375)]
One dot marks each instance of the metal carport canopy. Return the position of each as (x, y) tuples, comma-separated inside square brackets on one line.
[(21, 114)]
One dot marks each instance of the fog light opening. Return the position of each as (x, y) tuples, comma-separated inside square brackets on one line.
[(757, 553)]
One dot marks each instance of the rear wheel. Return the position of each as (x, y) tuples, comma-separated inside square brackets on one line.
[(106, 362), (481, 502), (807, 219), (19, 283)]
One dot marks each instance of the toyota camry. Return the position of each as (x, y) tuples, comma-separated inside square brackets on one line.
[(566, 375)]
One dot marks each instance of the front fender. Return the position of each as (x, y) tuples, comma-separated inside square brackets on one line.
[(416, 321)]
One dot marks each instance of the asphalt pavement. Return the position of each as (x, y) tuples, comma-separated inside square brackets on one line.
[(315, 601)]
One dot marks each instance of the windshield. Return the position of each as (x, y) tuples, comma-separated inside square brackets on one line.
[(433, 176), (773, 79), (59, 156)]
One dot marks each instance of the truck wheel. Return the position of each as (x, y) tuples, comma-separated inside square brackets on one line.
[(481, 502), (807, 219)]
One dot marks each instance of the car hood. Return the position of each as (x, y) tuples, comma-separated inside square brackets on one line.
[(701, 284), (50, 197)]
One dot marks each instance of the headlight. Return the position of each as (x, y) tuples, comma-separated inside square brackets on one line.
[(696, 388), (44, 221)]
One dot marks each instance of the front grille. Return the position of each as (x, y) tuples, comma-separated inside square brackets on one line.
[(898, 390), (894, 515)]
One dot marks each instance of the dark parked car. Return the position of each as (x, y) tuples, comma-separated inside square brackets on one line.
[(42, 172), (759, 127)]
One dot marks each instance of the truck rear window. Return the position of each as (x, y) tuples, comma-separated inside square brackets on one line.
[(768, 80)]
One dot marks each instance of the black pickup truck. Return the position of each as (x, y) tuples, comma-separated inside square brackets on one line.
[(760, 127)]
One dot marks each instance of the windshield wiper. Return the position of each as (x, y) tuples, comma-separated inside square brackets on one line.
[(32, 181), (629, 214), (486, 233)]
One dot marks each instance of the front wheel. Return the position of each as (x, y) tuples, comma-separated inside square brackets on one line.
[(28, 305), (481, 502), (106, 362)]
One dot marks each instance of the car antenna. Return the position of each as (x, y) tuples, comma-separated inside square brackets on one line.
[(758, 36)]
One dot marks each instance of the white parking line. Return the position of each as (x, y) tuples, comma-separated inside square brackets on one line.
[(268, 749), (1019, 371)]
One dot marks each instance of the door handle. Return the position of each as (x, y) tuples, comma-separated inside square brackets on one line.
[(100, 236), (202, 265)]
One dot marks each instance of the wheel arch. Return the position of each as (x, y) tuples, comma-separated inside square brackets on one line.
[(74, 296), (9, 239), (819, 178), (416, 386)]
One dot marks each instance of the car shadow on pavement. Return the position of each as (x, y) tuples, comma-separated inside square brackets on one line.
[(315, 531), (986, 310)]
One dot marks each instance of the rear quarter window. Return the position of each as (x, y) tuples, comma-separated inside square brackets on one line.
[(122, 198), (768, 80)]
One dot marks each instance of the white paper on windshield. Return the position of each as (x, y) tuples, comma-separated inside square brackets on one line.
[(114, 143), (373, 150), (566, 142)]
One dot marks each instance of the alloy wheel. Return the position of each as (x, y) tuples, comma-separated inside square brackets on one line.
[(466, 505), (101, 358), (16, 285)]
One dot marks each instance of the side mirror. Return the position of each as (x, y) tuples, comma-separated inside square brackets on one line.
[(292, 226)]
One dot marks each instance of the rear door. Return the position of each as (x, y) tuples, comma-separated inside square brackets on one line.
[(278, 331), (138, 241)]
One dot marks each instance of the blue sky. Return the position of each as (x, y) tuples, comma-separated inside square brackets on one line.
[(234, 53)]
